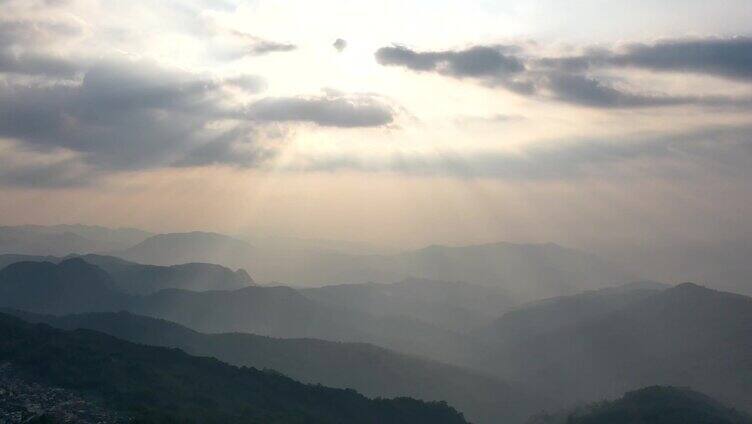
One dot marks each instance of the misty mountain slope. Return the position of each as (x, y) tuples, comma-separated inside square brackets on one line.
[(525, 271), (543, 316), (457, 307), (370, 370), (61, 240), (687, 335), (284, 312), (134, 278), (180, 248), (651, 405), (275, 311), (269, 263), (68, 287), (155, 384)]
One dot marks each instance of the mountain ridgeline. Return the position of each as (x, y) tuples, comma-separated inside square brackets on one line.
[(602, 344), (369, 369), (480, 346), (61, 240), (135, 278), (547, 269)]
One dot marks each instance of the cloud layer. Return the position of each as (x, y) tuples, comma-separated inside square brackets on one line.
[(138, 115), (575, 79), (688, 155)]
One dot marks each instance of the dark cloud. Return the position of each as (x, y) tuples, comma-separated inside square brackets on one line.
[(477, 61), (137, 115), (330, 110), (37, 64), (20, 43), (121, 115), (339, 44), (570, 79), (731, 58), (582, 90), (722, 57)]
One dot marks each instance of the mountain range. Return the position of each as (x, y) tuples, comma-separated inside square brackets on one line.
[(371, 370), (61, 240), (604, 343), (524, 271), (134, 278), (158, 385), (75, 286)]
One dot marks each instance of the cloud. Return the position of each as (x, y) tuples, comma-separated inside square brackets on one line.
[(339, 44), (59, 168), (25, 32), (21, 48), (720, 57), (729, 57), (138, 115), (329, 110), (121, 115), (476, 61), (251, 45), (587, 91), (37, 64), (572, 79), (711, 151), (238, 147), (248, 83)]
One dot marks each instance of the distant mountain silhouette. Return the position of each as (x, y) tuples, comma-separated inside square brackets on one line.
[(180, 248), (687, 335), (525, 271), (61, 240), (134, 278), (651, 405), (144, 279), (370, 370), (546, 315), (44, 287), (159, 385)]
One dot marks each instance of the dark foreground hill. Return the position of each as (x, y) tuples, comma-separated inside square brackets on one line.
[(652, 405), (156, 384), (369, 369)]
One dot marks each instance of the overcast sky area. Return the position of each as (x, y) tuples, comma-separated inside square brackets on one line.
[(401, 123)]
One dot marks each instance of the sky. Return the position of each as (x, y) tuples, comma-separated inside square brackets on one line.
[(400, 123)]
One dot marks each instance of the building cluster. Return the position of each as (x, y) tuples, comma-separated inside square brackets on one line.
[(25, 401)]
